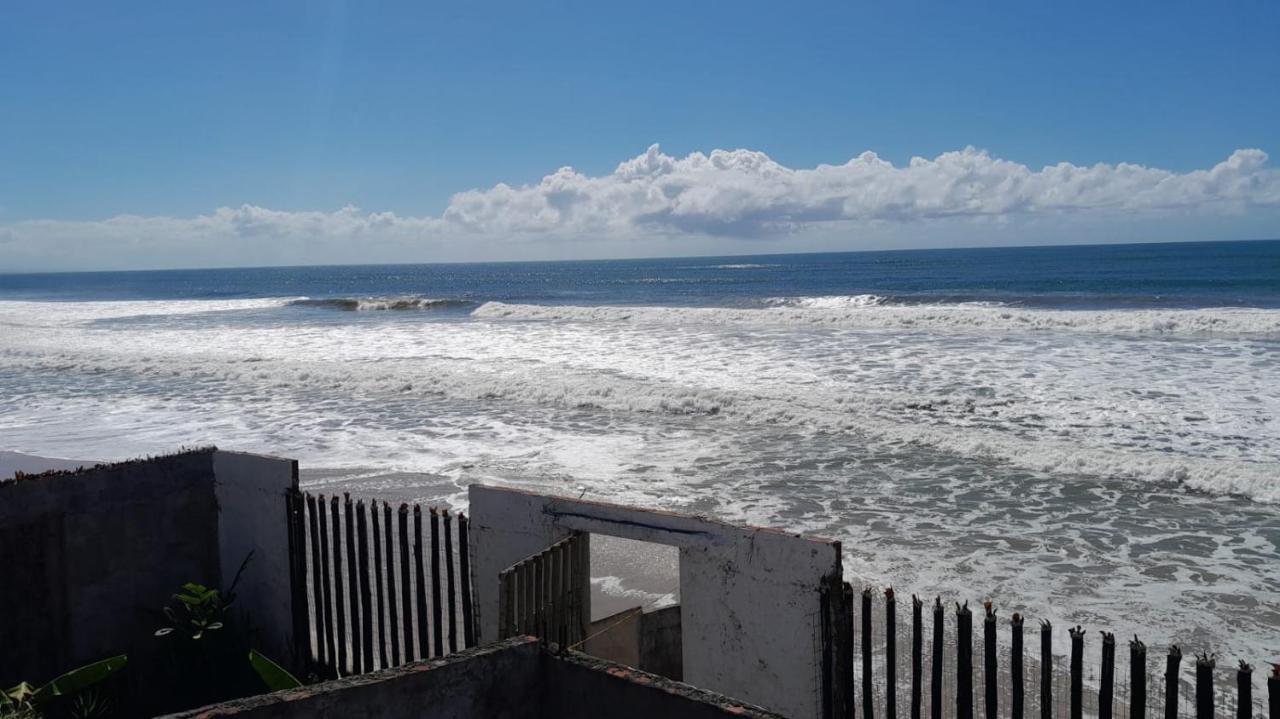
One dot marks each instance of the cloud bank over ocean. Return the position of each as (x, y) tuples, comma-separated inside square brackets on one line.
[(703, 202)]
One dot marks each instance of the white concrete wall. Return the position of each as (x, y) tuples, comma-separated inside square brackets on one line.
[(250, 491), (749, 596)]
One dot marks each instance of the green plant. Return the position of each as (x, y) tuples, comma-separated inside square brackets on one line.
[(27, 702), (200, 610), (209, 653), (272, 674)]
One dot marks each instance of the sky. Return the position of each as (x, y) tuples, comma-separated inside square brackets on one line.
[(141, 135)]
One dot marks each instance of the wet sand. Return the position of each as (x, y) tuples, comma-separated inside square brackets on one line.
[(11, 462)]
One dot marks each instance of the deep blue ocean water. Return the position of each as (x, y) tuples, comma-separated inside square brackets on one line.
[(1170, 275)]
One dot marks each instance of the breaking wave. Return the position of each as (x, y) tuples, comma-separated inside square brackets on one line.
[(357, 304), (833, 302), (870, 312)]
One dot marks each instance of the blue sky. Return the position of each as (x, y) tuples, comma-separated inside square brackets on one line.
[(177, 109)]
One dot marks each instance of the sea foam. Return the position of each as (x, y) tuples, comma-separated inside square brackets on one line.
[(870, 312)]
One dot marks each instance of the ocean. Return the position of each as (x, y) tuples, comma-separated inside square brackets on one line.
[(1086, 434)]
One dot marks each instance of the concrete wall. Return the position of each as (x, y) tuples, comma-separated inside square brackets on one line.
[(576, 686), (661, 643), (512, 679), (501, 681), (646, 640), (616, 637), (750, 609), (90, 557), (250, 491)]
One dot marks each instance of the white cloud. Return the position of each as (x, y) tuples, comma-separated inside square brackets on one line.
[(741, 192), (659, 198)]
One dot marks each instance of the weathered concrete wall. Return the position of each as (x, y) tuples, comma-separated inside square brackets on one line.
[(505, 528), (755, 599), (577, 686), (647, 640), (89, 558), (512, 679), (500, 680), (661, 643), (750, 609), (250, 491), (616, 637)]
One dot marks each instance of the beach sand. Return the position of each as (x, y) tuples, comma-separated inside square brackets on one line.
[(11, 462)]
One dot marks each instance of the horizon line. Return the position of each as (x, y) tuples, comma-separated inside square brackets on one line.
[(25, 273)]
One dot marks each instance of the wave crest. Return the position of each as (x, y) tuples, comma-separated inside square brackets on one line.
[(356, 304)]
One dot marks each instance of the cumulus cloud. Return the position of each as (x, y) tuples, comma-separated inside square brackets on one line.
[(723, 194), (745, 192)]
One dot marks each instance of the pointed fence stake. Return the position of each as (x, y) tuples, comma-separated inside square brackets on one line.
[(1106, 692), (868, 708), (464, 568), (1017, 698), (1204, 686), (890, 655), (353, 588), (379, 586), (339, 587), (451, 590), (989, 671), (1244, 691), (437, 623), (935, 669), (1171, 682), (406, 587), (1137, 679), (917, 653), (366, 591), (1273, 692), (1046, 669), (388, 529), (1077, 671)]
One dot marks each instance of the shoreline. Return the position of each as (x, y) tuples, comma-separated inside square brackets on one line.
[(12, 462)]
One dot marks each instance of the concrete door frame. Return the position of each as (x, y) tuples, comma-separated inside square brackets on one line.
[(750, 600)]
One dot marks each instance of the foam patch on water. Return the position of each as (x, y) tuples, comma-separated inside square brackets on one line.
[(52, 314), (852, 313)]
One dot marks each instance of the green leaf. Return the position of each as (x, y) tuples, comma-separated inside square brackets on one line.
[(78, 679), (21, 693), (272, 674)]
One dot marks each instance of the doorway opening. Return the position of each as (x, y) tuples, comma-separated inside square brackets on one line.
[(635, 605)]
